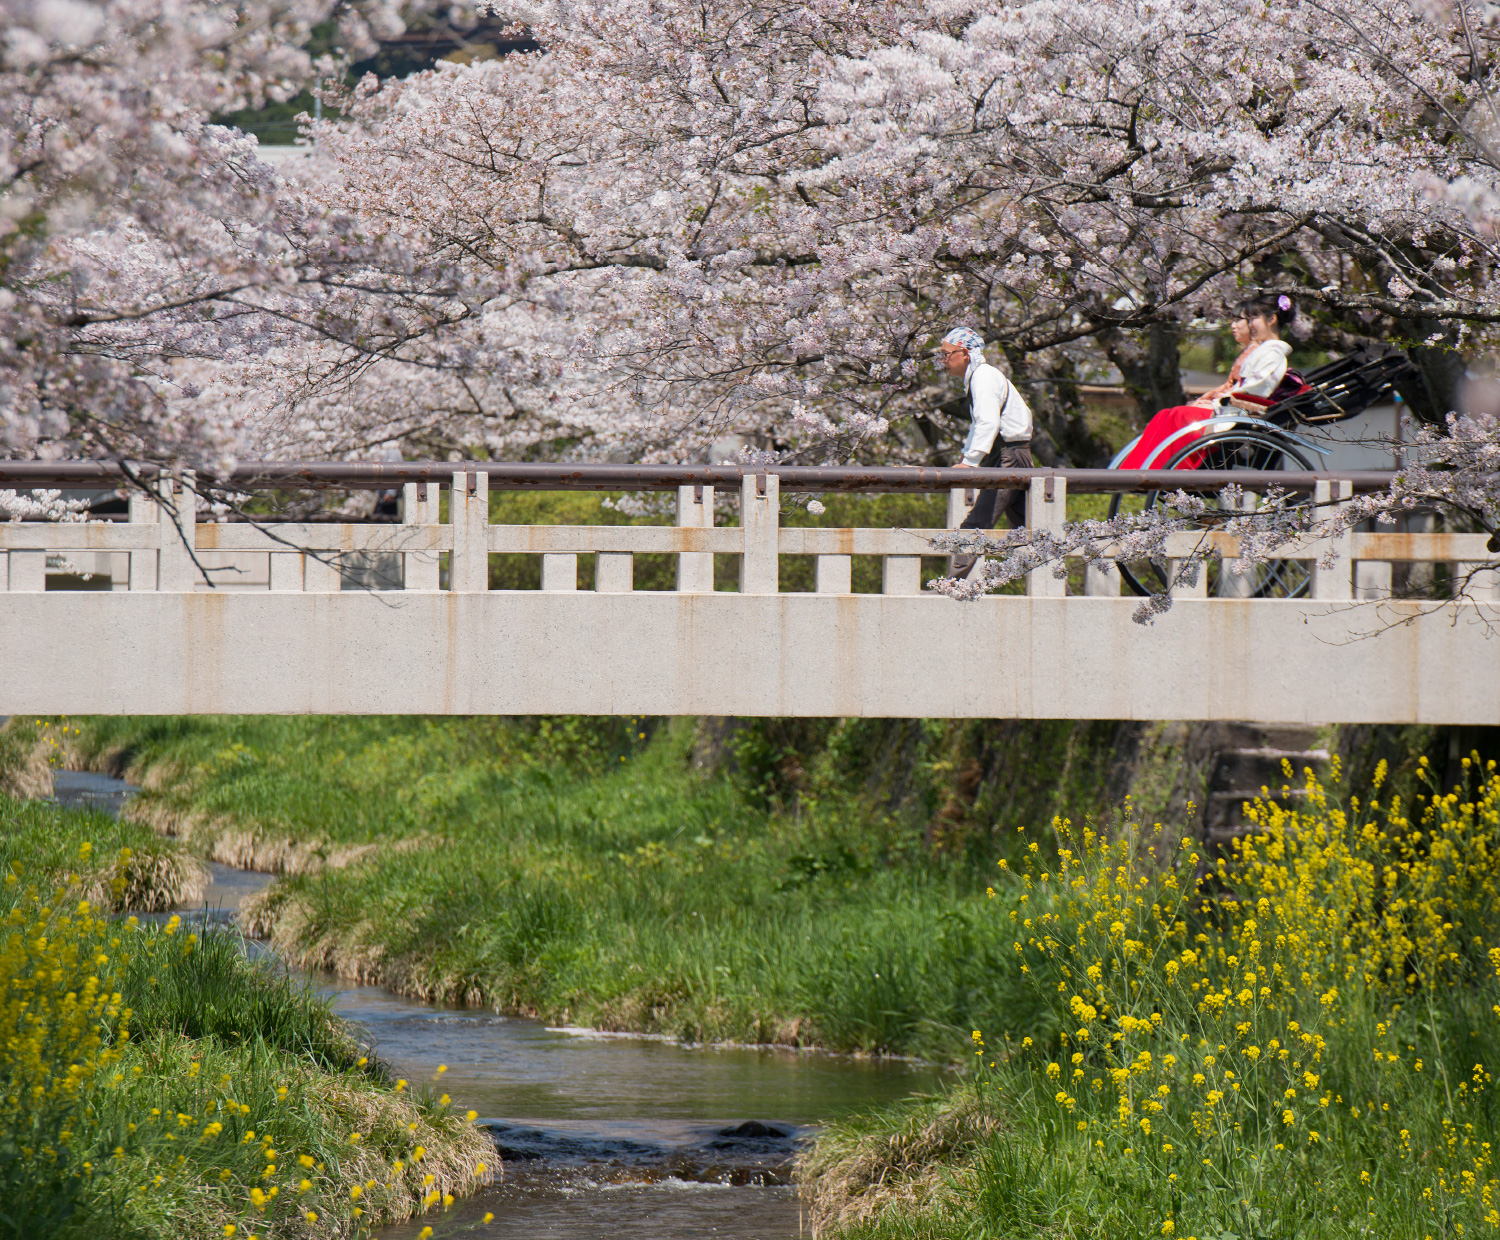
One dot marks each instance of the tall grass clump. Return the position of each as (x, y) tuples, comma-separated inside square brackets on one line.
[(1297, 1040), (214, 991), (124, 868), (155, 1084)]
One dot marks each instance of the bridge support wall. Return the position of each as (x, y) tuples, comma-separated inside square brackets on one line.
[(529, 652)]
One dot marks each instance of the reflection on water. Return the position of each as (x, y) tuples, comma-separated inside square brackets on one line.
[(599, 1135), (90, 790), (501, 1066)]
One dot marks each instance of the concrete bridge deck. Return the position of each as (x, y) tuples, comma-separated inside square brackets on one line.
[(292, 637)]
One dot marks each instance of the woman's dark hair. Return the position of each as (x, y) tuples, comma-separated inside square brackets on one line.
[(1273, 306)]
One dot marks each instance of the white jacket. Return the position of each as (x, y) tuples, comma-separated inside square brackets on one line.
[(996, 408), (1263, 367)]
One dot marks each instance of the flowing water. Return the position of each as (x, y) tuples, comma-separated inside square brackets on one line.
[(599, 1135)]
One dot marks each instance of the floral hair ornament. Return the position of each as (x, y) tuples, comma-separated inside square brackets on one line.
[(1283, 302)]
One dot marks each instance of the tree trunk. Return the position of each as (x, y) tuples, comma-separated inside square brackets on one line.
[(1061, 437), (1438, 391), (1150, 367)]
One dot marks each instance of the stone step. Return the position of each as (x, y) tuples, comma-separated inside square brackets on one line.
[(1258, 795), (1250, 765), (1286, 736), (1291, 755)]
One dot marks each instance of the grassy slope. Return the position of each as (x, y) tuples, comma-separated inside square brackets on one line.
[(214, 1038), (582, 871)]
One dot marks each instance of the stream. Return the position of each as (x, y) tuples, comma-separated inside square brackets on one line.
[(600, 1135)]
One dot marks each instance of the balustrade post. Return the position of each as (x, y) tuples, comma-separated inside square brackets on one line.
[(28, 572), (1199, 588), (285, 576), (1101, 580), (1334, 584), (960, 500), (469, 509), (614, 572), (1420, 574), (695, 569), (901, 574), (1232, 584), (320, 572), (1046, 508), (143, 511), (760, 523), (419, 506), (1484, 585), (560, 571), (834, 574), (1372, 580), (177, 527)]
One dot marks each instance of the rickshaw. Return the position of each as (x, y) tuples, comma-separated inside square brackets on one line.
[(1260, 433)]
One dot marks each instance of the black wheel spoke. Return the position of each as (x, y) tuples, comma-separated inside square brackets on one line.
[(1247, 448)]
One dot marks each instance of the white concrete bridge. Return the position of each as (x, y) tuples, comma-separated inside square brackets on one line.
[(289, 635)]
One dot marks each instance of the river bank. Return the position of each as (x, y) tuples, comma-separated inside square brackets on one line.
[(1044, 1143), (582, 872), (624, 1133), (223, 1098)]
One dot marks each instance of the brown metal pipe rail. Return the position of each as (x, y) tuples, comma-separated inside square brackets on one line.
[(503, 476)]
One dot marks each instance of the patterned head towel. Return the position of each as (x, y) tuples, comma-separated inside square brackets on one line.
[(967, 338)]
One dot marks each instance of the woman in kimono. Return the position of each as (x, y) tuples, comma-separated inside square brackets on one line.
[(1259, 373)]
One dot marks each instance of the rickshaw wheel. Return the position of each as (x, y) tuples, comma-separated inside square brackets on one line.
[(1232, 449)]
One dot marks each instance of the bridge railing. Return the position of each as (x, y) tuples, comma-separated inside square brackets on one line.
[(163, 546)]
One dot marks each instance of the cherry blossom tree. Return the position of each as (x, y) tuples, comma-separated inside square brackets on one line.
[(135, 236), (680, 219)]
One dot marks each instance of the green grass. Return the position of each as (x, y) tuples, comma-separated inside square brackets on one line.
[(1308, 1054), (150, 1136), (215, 991), (128, 868), (583, 871)]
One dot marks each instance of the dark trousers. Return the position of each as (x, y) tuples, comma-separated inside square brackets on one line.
[(1012, 502)]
